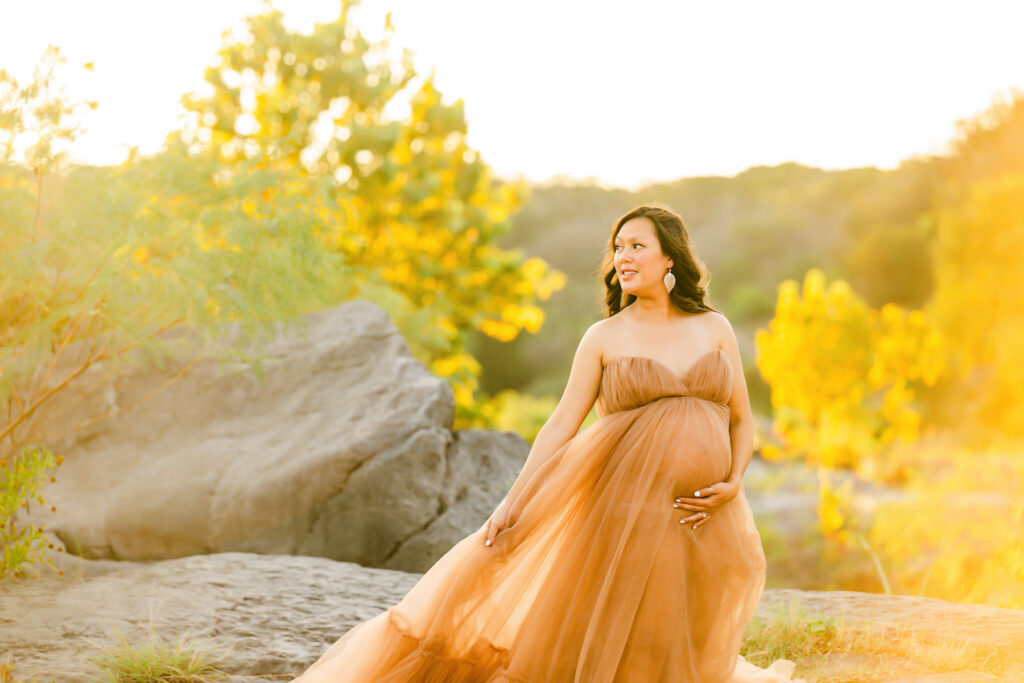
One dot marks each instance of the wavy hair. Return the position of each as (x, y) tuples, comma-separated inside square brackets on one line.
[(692, 277)]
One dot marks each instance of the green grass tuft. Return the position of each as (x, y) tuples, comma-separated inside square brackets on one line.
[(158, 662)]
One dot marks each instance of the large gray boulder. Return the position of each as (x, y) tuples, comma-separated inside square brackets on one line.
[(275, 615), (345, 451)]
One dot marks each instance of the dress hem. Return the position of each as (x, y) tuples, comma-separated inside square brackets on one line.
[(397, 623)]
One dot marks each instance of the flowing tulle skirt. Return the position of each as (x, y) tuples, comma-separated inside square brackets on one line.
[(594, 580)]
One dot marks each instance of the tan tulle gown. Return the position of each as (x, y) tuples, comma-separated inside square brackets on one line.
[(594, 580)]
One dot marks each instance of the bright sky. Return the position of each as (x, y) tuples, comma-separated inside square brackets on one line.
[(623, 93)]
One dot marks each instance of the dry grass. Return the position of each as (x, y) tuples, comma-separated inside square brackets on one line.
[(829, 650)]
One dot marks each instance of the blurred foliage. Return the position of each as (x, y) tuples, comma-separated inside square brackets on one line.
[(424, 209), (118, 254), (525, 414), (522, 413), (974, 225), (130, 251), (843, 375), (885, 257), (34, 116), (979, 306), (988, 145), (121, 255), (956, 529), (960, 533)]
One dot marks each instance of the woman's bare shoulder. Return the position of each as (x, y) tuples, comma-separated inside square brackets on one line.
[(601, 336), (720, 328), (713, 326), (599, 330), (715, 319)]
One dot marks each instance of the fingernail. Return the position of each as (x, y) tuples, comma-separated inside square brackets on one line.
[(696, 494), (487, 542)]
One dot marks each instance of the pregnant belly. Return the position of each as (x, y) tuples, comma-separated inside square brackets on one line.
[(698, 452)]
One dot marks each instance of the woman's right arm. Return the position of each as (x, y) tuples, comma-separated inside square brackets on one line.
[(580, 393)]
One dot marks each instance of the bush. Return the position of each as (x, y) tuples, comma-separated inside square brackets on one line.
[(20, 481)]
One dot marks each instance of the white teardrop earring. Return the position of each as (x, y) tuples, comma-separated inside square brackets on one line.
[(670, 280)]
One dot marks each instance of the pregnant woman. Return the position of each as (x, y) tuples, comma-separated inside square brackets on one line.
[(626, 552)]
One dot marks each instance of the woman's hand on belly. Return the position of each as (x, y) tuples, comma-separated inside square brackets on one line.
[(705, 500)]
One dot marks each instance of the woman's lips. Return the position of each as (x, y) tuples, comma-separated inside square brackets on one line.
[(627, 276)]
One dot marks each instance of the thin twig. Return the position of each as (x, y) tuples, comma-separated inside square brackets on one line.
[(47, 394), (63, 344), (102, 355), (121, 409)]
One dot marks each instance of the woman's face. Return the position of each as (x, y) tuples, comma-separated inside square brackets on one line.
[(639, 261)]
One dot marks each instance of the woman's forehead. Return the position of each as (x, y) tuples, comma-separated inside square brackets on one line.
[(635, 229)]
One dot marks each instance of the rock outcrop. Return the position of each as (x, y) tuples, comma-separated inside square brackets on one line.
[(274, 615), (345, 451)]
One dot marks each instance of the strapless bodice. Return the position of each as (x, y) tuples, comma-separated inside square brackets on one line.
[(632, 381)]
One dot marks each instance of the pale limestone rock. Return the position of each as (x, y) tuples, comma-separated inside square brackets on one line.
[(277, 614), (345, 451)]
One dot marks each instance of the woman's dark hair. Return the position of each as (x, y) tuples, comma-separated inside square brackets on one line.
[(692, 278)]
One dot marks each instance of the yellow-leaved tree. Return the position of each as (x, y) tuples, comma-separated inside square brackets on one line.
[(843, 378), (843, 375), (422, 210)]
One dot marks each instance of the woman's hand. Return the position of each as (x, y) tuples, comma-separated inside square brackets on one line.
[(705, 500), (496, 522)]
